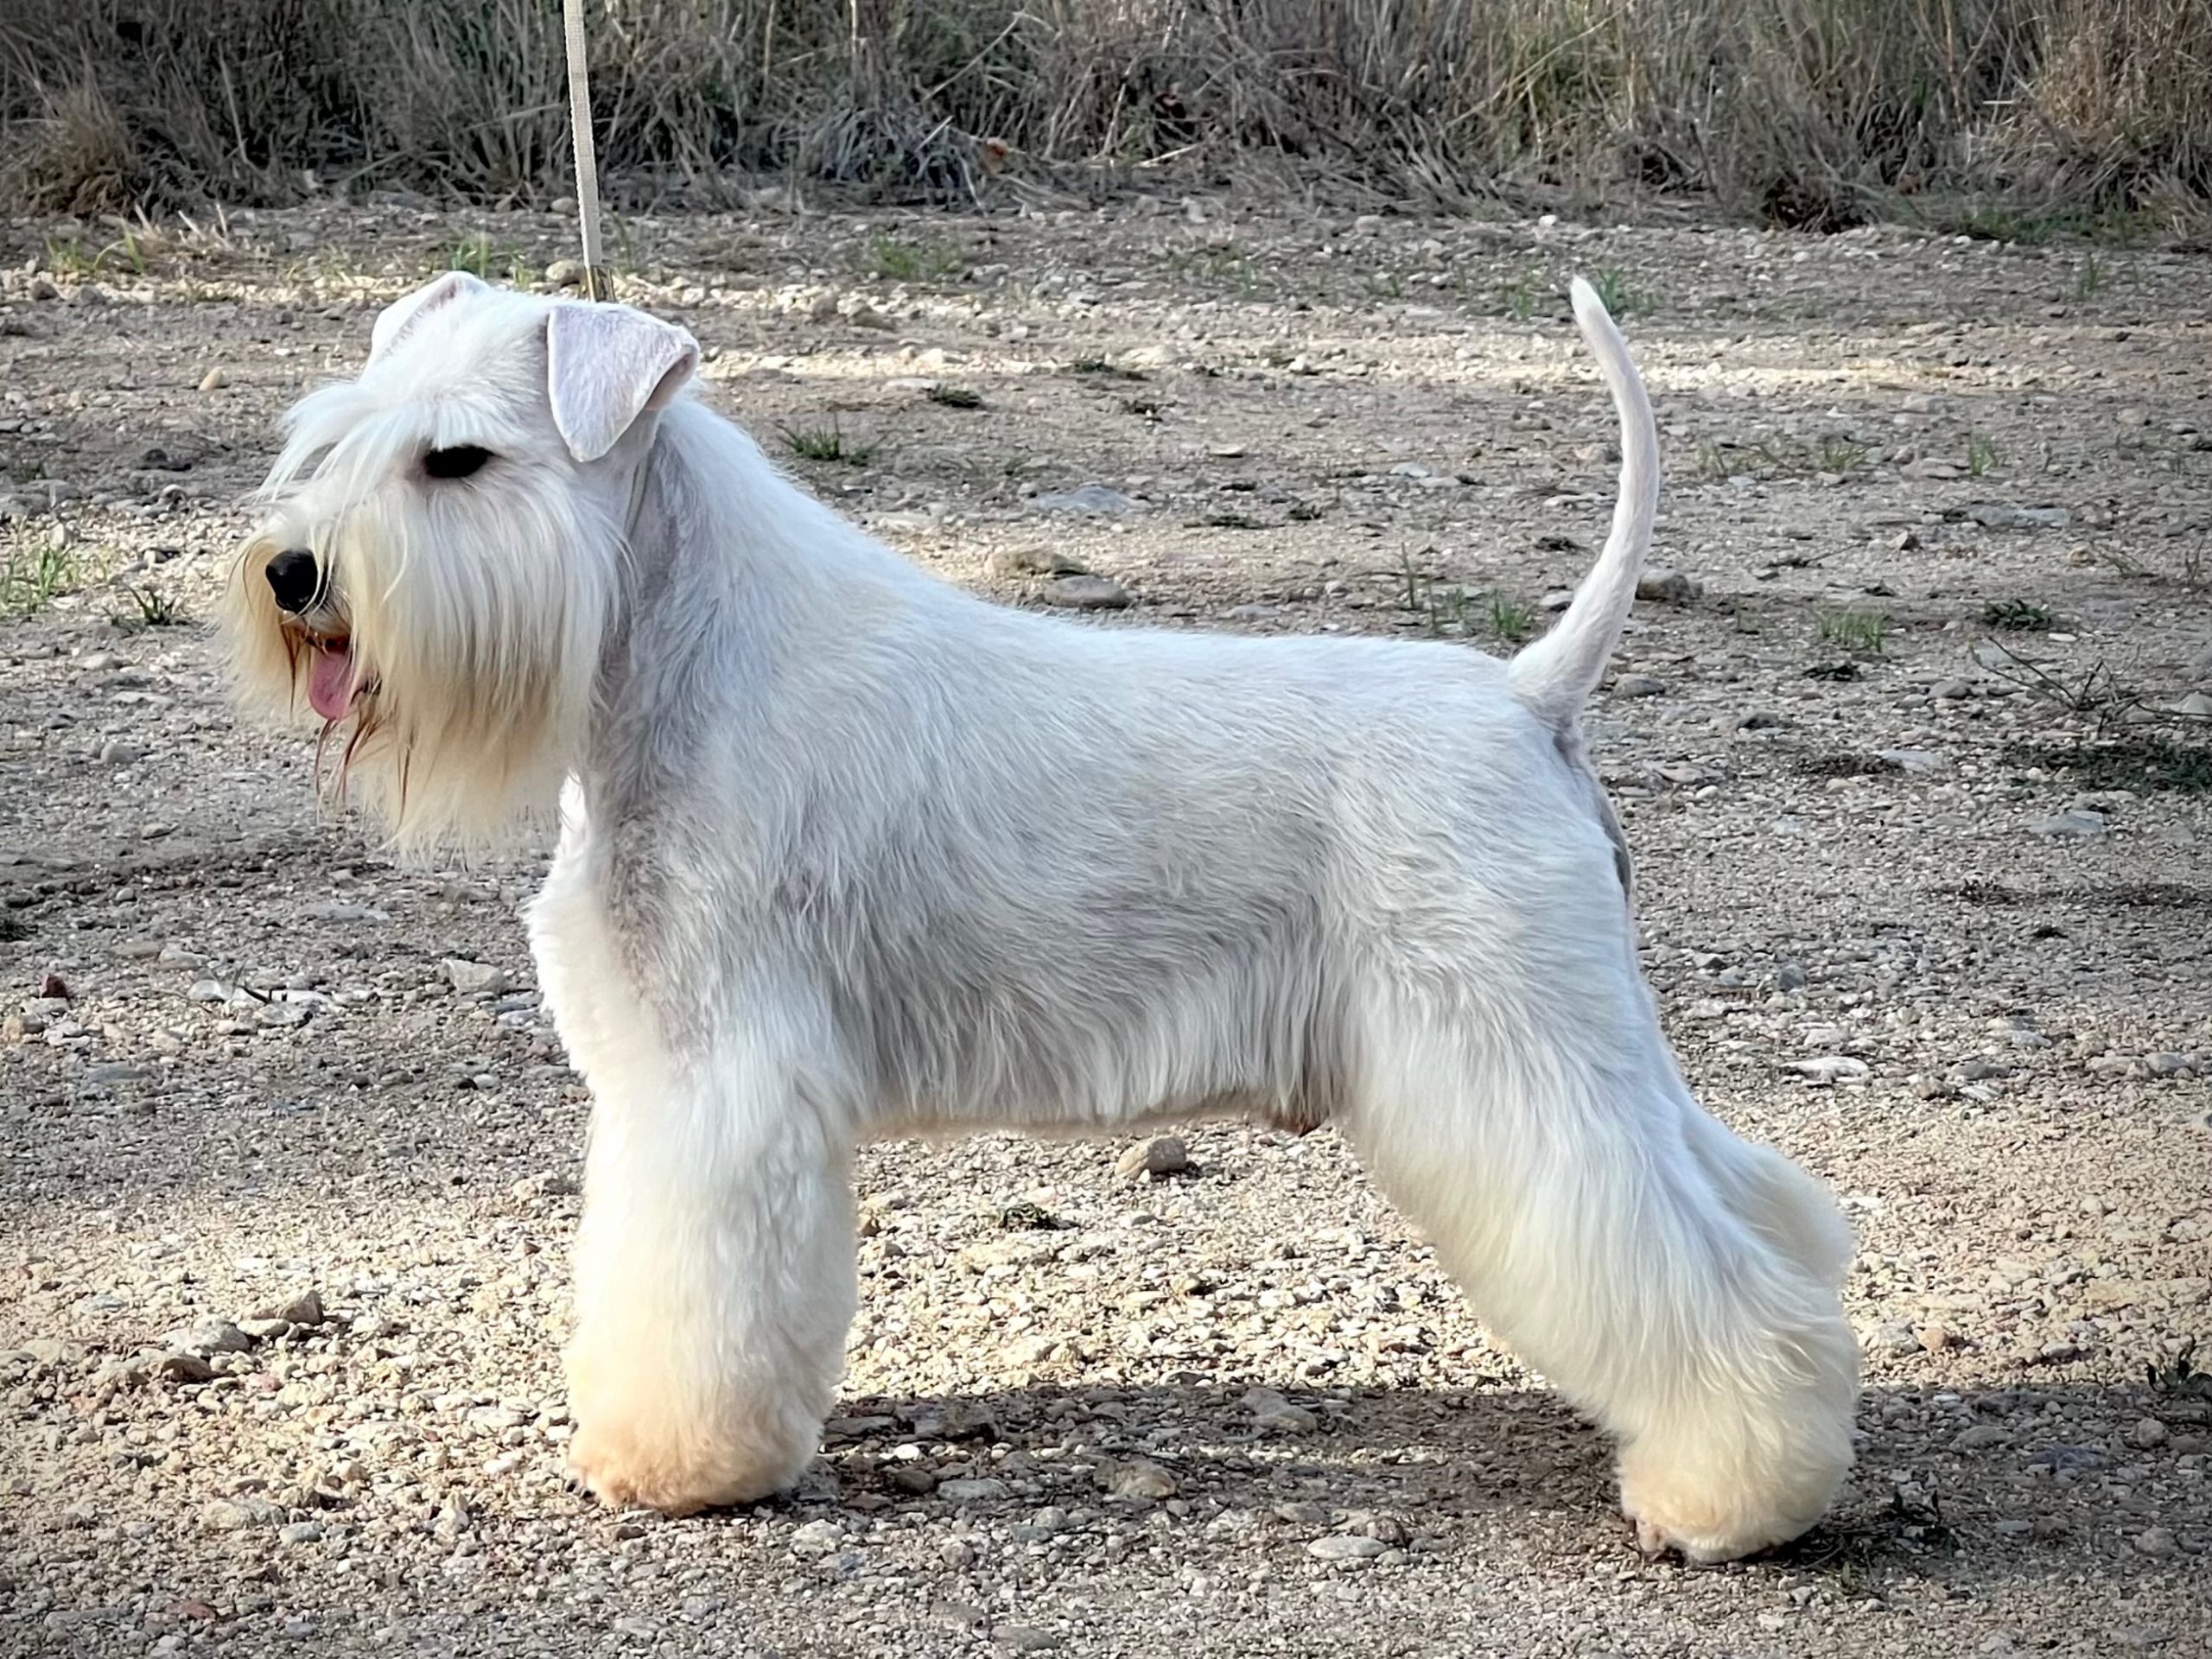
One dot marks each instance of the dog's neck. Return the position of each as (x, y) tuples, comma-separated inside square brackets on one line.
[(731, 578)]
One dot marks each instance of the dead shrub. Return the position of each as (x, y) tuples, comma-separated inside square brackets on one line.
[(1810, 113)]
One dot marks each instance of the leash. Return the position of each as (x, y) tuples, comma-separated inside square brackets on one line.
[(587, 156)]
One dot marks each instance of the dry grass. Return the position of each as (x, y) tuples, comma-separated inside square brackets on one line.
[(1811, 112)]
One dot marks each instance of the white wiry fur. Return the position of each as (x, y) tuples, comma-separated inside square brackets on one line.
[(846, 852)]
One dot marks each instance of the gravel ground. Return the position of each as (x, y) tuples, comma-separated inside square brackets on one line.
[(289, 1166)]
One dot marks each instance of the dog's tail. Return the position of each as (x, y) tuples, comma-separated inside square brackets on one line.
[(1554, 677)]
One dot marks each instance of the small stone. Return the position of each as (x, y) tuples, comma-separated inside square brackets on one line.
[(2074, 824), (817, 1538), (41, 288), (565, 273), (1087, 594), (984, 1489), (914, 1479), (1762, 719), (1790, 976), (956, 1553), (1160, 1157), (215, 379), (208, 1336), (240, 1514), (1090, 498), (1273, 1415), (1911, 759), (2157, 1543), (208, 990), (1010, 563), (1638, 685), (1338, 1549), (2169, 1065), (299, 1532), (1936, 1339), (1950, 690), (1827, 1068), (1980, 1437), (1024, 1638), (116, 753), (2147, 1432), (183, 1368), (1136, 1479), (865, 316), (305, 1308), (1659, 586), (474, 978), (453, 1522), (2004, 515)]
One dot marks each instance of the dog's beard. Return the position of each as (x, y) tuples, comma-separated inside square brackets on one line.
[(449, 654)]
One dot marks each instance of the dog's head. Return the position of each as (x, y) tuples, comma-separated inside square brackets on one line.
[(438, 563)]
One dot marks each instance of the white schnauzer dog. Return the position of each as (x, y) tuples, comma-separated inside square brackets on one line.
[(846, 852)]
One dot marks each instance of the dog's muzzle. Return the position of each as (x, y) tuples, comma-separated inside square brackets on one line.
[(295, 578)]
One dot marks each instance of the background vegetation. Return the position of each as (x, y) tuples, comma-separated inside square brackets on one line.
[(1809, 112)]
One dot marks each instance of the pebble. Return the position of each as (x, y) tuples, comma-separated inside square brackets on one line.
[(1009, 563), (1980, 1437), (116, 753), (305, 1308), (1273, 1415), (1160, 1157), (1638, 685), (240, 1514), (1660, 586), (208, 1336), (1335, 1548), (1025, 1638), (2002, 515), (474, 978), (2157, 1543), (1827, 1068), (1136, 1479), (299, 1532), (215, 379), (183, 1368), (1087, 594), (2072, 824), (984, 1489), (569, 273), (2147, 1432), (817, 1538), (1090, 498)]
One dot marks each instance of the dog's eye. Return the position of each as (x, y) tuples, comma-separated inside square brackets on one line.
[(457, 462)]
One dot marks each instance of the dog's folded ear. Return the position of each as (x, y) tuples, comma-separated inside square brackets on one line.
[(608, 366), (396, 319)]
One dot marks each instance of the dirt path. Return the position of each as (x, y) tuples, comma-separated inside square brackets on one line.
[(1900, 921)]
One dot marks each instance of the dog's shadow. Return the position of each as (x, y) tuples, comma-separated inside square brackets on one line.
[(1481, 1465)]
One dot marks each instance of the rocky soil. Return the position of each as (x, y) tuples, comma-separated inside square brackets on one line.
[(1910, 739)]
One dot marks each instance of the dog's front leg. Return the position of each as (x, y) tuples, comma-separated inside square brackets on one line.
[(715, 1283)]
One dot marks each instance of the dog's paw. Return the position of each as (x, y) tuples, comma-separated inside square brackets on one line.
[(1678, 1517), (624, 1472)]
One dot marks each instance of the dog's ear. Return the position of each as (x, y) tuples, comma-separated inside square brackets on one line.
[(607, 366), (396, 319)]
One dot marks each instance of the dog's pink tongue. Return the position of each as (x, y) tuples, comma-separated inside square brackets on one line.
[(330, 681)]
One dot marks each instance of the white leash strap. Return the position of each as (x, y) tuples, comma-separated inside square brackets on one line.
[(587, 155)]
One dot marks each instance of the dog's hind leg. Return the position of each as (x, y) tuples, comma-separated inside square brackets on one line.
[(1677, 1283)]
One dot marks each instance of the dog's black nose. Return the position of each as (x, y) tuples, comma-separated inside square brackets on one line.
[(294, 577)]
